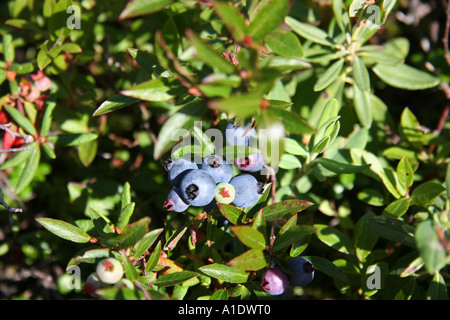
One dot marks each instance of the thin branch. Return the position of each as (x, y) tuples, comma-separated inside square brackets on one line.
[(8, 207), (26, 138), (446, 34)]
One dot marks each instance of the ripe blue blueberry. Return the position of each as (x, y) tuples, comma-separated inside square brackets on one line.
[(239, 135), (302, 271), (177, 168), (217, 167), (247, 190), (174, 202), (274, 281), (198, 188)]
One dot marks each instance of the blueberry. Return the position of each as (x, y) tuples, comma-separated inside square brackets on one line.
[(109, 270), (252, 163), (198, 188), (274, 281), (302, 271), (225, 193), (174, 202), (238, 135), (177, 168), (247, 190), (217, 167)]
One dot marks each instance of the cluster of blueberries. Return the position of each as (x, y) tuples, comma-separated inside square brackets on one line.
[(212, 181), (275, 281)]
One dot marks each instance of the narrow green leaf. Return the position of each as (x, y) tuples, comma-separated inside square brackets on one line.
[(360, 74), (268, 19), (240, 105), (72, 139), (363, 106), (21, 120), (48, 115), (234, 22), (87, 152), (225, 273), (125, 215), (18, 158), (220, 294), (405, 77), (329, 76), (250, 237), (29, 171), (235, 215), (292, 121), (134, 232), (339, 167), (88, 255), (309, 32), (174, 278), (146, 242), (8, 48), (64, 230), (208, 55), (130, 270), (114, 103), (285, 208), (292, 235), (327, 267), (289, 162), (154, 258), (405, 175), (392, 229), (152, 90), (284, 43), (137, 8)]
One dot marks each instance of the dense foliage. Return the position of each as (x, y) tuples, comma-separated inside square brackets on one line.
[(349, 100)]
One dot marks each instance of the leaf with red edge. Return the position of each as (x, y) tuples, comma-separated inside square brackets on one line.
[(285, 208), (251, 260)]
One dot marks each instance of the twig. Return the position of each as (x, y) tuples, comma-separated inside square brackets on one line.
[(143, 289), (446, 34), (18, 149), (26, 138), (8, 207)]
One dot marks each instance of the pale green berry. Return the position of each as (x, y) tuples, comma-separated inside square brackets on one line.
[(225, 193), (109, 270)]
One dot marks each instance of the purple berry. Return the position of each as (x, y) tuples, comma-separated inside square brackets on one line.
[(198, 188), (178, 168), (174, 202), (302, 271), (217, 167), (274, 281), (247, 190)]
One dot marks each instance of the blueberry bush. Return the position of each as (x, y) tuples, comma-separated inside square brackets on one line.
[(214, 150)]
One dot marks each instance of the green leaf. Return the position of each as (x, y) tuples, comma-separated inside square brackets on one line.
[(234, 22), (72, 139), (208, 55), (334, 238), (363, 238), (114, 103), (154, 258), (285, 208), (148, 62), (146, 242), (284, 43), (125, 215), (240, 105), (48, 115), (405, 77), (8, 48), (339, 167), (174, 278), (21, 120), (57, 24), (293, 147), (289, 162), (430, 248), (101, 223), (251, 260), (225, 273), (87, 152), (268, 19), (426, 192), (360, 74), (292, 121), (29, 171), (152, 90), (397, 208), (438, 288), (177, 126), (88, 255), (130, 270), (250, 237), (363, 106), (405, 176), (329, 76), (392, 229), (327, 267), (235, 215), (64, 230), (220, 294), (137, 8), (291, 235), (18, 158), (134, 232), (309, 32)]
